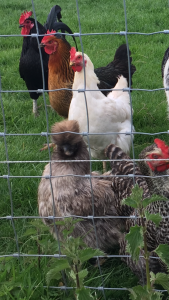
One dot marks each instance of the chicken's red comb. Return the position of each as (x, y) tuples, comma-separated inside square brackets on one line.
[(25, 15), (72, 53), (161, 144), (45, 38), (52, 31)]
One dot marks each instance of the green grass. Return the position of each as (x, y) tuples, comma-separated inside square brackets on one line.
[(150, 116)]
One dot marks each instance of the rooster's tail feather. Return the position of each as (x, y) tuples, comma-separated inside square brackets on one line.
[(54, 22), (53, 16)]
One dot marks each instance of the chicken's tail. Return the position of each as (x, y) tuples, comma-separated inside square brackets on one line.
[(121, 62), (116, 153), (122, 164), (54, 22), (66, 137), (120, 85), (53, 17)]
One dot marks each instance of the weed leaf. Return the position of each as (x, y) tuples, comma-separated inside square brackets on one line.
[(84, 294), (162, 279), (135, 241), (156, 218), (88, 253), (53, 273), (135, 198), (163, 251), (153, 198)]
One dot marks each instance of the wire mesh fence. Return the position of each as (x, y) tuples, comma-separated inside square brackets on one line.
[(10, 167)]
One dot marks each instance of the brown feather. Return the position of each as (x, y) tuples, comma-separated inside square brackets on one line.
[(72, 193), (60, 75)]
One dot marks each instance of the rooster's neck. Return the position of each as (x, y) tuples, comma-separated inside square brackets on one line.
[(60, 60)]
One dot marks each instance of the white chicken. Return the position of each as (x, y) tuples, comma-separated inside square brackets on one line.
[(165, 74), (106, 114)]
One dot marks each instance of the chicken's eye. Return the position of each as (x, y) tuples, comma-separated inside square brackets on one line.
[(155, 156), (78, 57)]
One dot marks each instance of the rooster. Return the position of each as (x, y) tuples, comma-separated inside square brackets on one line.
[(154, 183), (72, 190), (60, 73), (30, 65), (106, 114), (62, 76)]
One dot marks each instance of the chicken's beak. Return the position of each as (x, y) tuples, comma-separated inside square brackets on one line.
[(72, 63), (68, 150), (20, 26), (42, 45)]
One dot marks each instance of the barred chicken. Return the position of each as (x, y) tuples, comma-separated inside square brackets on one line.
[(157, 185)]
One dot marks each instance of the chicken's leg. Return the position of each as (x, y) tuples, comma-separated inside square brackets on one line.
[(104, 166), (51, 145), (35, 107)]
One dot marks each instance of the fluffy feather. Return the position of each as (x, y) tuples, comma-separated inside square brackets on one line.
[(72, 194), (106, 114)]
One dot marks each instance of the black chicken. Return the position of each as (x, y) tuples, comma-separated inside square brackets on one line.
[(30, 64), (108, 75)]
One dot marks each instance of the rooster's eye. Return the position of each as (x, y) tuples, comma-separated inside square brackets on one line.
[(78, 57), (155, 156)]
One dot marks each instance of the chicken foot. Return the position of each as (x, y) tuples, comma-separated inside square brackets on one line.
[(50, 145)]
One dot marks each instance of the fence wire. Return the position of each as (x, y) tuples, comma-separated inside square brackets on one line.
[(8, 176)]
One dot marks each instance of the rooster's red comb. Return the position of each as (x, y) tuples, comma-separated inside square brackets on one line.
[(25, 15), (72, 53), (161, 144), (45, 38)]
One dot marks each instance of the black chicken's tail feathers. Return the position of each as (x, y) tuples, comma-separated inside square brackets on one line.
[(54, 22), (63, 136), (120, 62), (53, 16)]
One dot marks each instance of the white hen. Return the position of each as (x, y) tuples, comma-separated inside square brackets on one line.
[(106, 114), (165, 74)]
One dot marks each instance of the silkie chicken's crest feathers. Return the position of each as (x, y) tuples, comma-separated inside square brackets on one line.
[(64, 137), (161, 144), (72, 53), (25, 15), (46, 37)]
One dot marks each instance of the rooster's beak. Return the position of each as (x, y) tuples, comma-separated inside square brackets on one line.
[(42, 45), (21, 26)]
